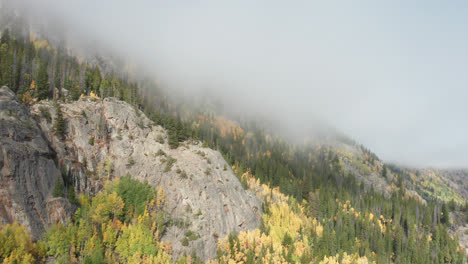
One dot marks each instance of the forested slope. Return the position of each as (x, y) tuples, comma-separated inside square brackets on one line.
[(321, 202)]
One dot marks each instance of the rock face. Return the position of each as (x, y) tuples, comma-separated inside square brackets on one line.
[(27, 169), (109, 138)]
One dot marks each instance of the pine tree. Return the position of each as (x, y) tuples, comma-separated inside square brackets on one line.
[(57, 77), (384, 171), (75, 91), (71, 195), (42, 82), (156, 117), (97, 78), (105, 87), (181, 131), (5, 37), (68, 83), (6, 65), (19, 65), (173, 139), (58, 188), (59, 122), (445, 218)]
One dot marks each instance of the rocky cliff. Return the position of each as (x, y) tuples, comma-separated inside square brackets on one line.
[(28, 170), (108, 138)]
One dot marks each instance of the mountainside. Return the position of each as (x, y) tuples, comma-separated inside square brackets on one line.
[(147, 179), (28, 170), (444, 184), (108, 138)]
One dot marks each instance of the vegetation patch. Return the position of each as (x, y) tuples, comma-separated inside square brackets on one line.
[(169, 163), (45, 113)]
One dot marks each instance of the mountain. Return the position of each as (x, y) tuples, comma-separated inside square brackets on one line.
[(101, 168), (28, 170), (105, 139)]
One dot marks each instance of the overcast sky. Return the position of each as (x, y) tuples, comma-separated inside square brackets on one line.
[(393, 76)]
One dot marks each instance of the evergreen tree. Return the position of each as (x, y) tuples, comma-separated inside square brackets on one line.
[(97, 78), (384, 171), (58, 188), (59, 124), (57, 74), (75, 90), (68, 83), (42, 83), (6, 65), (445, 217), (71, 195), (105, 87), (182, 134), (5, 37), (19, 66), (173, 139)]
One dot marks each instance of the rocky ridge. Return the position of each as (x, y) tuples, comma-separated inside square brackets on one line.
[(28, 170), (109, 138)]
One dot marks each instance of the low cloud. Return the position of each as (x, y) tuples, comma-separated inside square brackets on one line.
[(391, 76)]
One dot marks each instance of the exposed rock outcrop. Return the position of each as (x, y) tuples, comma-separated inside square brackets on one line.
[(109, 138), (27, 169)]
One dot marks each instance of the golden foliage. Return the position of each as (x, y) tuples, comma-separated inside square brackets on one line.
[(27, 99), (92, 95), (17, 247), (285, 217), (105, 206), (282, 220), (161, 198), (254, 241), (346, 259)]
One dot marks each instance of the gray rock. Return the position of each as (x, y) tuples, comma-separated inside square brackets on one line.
[(199, 192), (27, 169)]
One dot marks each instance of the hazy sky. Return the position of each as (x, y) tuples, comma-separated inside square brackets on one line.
[(393, 76)]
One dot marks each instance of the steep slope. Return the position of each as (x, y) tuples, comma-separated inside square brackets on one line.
[(109, 138), (445, 185), (366, 167), (27, 170)]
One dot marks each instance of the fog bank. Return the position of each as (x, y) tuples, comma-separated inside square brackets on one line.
[(391, 76)]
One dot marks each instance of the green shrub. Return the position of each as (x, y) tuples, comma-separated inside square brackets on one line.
[(184, 242), (130, 162), (160, 153), (160, 139), (134, 193), (197, 215), (45, 113), (170, 162), (191, 235)]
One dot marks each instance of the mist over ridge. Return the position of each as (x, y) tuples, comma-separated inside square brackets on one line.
[(389, 76)]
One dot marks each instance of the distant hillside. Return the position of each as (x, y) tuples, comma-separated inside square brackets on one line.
[(200, 186)]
